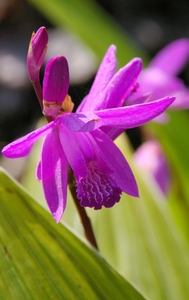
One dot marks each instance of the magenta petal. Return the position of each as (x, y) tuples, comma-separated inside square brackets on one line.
[(115, 160), (122, 117), (132, 116), (120, 85), (72, 151), (105, 73), (173, 57), (54, 171), (22, 146), (78, 121)]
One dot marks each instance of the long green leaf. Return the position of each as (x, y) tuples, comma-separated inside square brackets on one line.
[(42, 260), (142, 240), (92, 24)]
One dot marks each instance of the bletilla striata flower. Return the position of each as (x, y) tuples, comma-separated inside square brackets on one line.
[(149, 158), (160, 79), (83, 140)]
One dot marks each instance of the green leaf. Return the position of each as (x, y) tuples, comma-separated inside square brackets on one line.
[(144, 242), (92, 24), (40, 259)]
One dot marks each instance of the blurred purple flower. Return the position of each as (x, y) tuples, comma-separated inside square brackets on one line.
[(80, 140), (160, 79), (150, 158)]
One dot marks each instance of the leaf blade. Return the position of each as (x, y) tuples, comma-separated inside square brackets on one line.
[(44, 260)]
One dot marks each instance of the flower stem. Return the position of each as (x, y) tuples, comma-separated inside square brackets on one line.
[(89, 234), (38, 91), (39, 94)]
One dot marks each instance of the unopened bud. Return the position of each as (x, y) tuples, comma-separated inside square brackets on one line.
[(55, 85), (37, 52)]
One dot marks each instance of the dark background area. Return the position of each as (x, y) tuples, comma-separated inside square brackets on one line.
[(151, 24)]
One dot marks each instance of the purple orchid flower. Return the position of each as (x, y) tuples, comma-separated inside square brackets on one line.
[(149, 158), (82, 141), (160, 79)]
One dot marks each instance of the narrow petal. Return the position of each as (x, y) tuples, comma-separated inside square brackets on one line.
[(54, 170), (119, 87), (113, 133), (131, 116), (72, 151), (22, 146), (122, 117), (105, 73), (173, 57), (75, 122), (116, 161)]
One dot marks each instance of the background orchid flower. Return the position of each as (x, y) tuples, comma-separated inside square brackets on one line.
[(149, 158), (160, 79), (77, 139)]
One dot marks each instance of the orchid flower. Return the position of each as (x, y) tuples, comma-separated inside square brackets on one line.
[(80, 140), (149, 158), (160, 79)]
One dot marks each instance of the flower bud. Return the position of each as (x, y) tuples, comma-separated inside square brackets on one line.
[(37, 52), (55, 85)]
